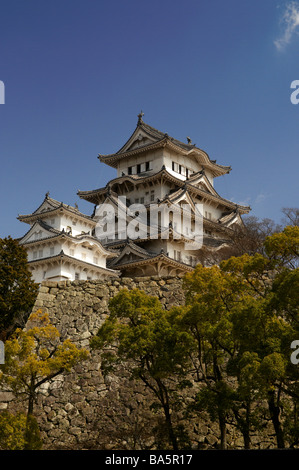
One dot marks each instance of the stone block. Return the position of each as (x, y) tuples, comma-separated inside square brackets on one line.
[(45, 296), (44, 289), (6, 396), (54, 290), (49, 283)]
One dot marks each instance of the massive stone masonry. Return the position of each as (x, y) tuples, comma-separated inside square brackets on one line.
[(85, 410)]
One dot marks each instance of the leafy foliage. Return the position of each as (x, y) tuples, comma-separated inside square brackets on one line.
[(233, 336), (17, 289), (143, 332), (35, 356)]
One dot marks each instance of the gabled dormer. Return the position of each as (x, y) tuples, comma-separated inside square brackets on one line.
[(39, 231)]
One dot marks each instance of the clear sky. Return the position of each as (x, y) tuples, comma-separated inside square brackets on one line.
[(77, 73)]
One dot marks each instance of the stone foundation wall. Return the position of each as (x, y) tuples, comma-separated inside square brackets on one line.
[(84, 410)]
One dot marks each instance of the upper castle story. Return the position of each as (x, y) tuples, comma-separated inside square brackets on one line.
[(148, 150)]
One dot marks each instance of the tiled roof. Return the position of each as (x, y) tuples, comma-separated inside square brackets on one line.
[(158, 138), (54, 206)]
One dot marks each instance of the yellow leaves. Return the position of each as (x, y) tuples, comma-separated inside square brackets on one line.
[(12, 431), (36, 354), (40, 318), (284, 246), (285, 241), (67, 355), (41, 327)]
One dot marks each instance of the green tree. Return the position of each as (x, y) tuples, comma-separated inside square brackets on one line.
[(244, 316), (17, 289), (146, 336), (35, 356), (211, 296), (283, 247), (19, 432)]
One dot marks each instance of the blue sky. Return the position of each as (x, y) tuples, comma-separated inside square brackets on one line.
[(77, 73)]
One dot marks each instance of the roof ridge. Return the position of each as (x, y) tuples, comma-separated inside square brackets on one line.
[(173, 139)]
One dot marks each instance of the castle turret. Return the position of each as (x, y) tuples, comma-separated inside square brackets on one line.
[(159, 178), (60, 245)]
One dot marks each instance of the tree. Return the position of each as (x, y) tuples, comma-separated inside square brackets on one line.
[(17, 289), (16, 434), (244, 316), (250, 238), (240, 239), (291, 215), (211, 296), (35, 356), (283, 247), (146, 336)]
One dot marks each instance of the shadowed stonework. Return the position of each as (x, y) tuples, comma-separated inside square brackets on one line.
[(85, 410)]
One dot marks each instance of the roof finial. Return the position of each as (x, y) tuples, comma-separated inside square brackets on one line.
[(189, 140), (47, 194), (140, 115)]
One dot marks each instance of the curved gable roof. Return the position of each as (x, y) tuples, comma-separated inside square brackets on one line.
[(157, 138)]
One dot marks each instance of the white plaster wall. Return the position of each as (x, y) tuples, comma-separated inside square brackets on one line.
[(45, 249), (155, 157), (209, 209), (83, 253), (64, 272), (77, 226), (162, 157)]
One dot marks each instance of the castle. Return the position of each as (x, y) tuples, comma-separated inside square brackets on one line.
[(158, 178)]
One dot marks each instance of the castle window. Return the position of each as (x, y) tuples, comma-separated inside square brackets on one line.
[(147, 166), (96, 260), (175, 167), (77, 276), (38, 235), (34, 254), (52, 251), (72, 252), (192, 260), (132, 170), (152, 195), (138, 169)]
